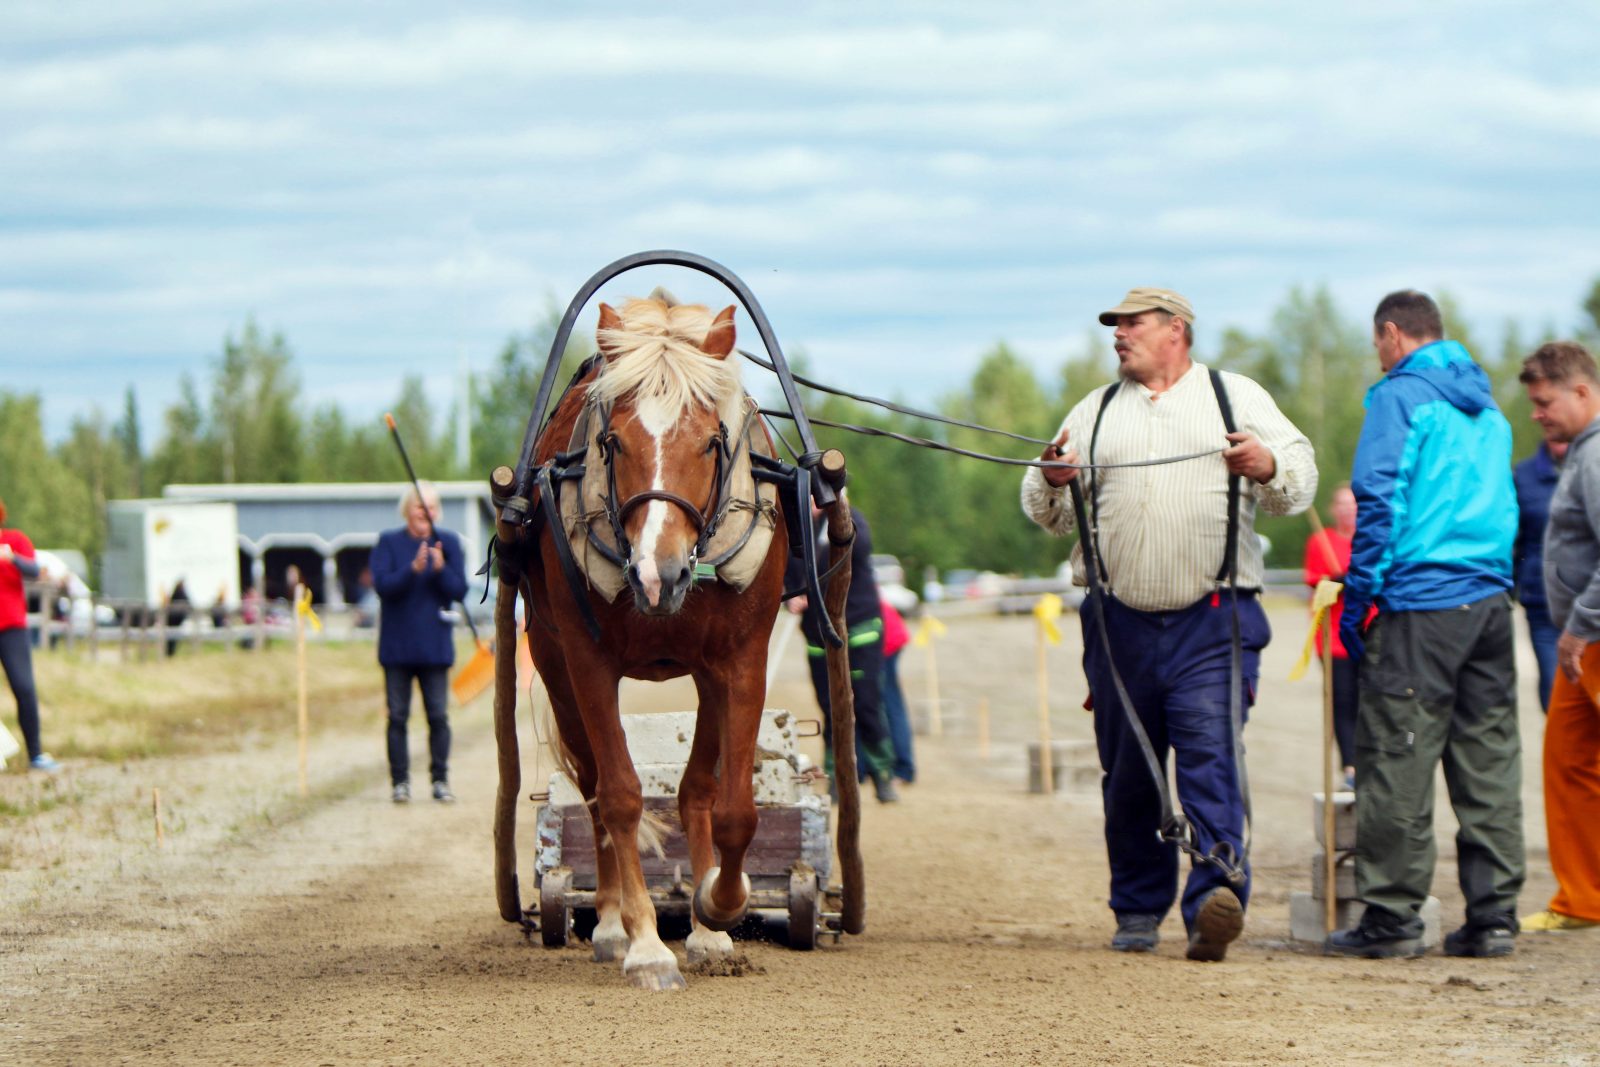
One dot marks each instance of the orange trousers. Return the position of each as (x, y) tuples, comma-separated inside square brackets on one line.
[(1572, 789)]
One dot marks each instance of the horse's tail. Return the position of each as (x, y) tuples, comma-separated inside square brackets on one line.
[(653, 829)]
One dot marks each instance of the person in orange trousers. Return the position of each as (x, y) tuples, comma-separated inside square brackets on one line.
[(1564, 386)]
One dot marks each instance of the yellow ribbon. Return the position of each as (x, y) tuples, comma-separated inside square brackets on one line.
[(302, 606), (927, 630), (1326, 595), (1047, 609)]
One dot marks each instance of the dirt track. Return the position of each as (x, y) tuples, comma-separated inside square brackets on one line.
[(349, 931)]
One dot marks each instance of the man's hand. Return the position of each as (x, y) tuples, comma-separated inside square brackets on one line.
[(436, 555), (1250, 457), (797, 604), (1058, 476), (420, 562), (1569, 654), (1352, 629)]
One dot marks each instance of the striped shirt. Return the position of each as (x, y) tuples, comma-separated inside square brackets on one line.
[(1163, 529)]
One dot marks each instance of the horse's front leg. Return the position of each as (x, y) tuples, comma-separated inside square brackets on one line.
[(649, 964), (697, 794), (724, 891)]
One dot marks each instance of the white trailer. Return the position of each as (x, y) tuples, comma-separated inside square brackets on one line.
[(152, 545)]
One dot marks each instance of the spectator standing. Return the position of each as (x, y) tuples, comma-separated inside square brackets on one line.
[(1564, 385), (863, 618), (1535, 479), (895, 639), (418, 572), (17, 563), (1432, 548), (1328, 556), (1161, 533)]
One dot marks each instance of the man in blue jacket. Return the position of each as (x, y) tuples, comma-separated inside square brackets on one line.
[(1535, 478), (417, 577), (1432, 550)]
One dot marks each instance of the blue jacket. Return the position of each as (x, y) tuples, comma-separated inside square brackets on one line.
[(1436, 512), (1535, 478), (410, 631)]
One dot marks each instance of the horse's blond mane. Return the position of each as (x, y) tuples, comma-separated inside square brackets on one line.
[(656, 356)]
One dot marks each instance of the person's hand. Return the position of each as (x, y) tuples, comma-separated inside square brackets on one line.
[(1352, 629), (1250, 457), (1058, 476), (1569, 654), (797, 605), (6, 554), (420, 562), (436, 556)]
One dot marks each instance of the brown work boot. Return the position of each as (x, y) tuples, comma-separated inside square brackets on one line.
[(1216, 925)]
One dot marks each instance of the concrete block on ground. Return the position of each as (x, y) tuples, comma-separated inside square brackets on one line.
[(1344, 875), (1306, 918), (1073, 764), (1344, 820)]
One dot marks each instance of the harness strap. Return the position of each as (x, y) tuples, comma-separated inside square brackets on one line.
[(569, 566)]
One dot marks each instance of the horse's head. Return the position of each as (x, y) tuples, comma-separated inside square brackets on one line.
[(674, 399)]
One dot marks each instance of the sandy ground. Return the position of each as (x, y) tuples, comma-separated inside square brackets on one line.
[(345, 930)]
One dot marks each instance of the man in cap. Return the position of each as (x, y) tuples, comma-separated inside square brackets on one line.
[(1169, 539), (1436, 515)]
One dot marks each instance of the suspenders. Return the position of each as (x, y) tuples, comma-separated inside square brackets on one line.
[(1230, 552)]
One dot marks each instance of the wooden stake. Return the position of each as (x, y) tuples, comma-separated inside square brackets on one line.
[(1330, 891), (304, 716), (983, 728), (1046, 771), (155, 808)]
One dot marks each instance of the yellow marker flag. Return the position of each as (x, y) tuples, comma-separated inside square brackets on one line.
[(1326, 595), (1047, 609), (302, 606), (927, 630)]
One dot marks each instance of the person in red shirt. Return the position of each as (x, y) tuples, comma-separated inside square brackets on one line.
[(1328, 556), (17, 564), (895, 638)]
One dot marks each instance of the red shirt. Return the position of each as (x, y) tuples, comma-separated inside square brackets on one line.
[(1328, 556), (13, 604), (895, 636)]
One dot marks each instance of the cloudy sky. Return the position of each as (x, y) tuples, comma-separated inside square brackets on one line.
[(398, 185)]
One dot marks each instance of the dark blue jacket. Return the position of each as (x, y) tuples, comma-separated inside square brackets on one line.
[(410, 631), (1435, 507), (1535, 478)]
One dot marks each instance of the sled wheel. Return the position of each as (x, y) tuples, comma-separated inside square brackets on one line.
[(803, 909), (555, 920)]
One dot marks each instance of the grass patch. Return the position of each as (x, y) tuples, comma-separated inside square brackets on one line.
[(198, 702)]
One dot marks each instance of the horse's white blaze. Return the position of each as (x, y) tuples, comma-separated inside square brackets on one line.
[(656, 421), (706, 944)]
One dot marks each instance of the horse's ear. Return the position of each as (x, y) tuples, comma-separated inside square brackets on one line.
[(719, 340), (609, 320)]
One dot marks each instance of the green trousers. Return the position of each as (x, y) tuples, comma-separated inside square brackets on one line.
[(1439, 686)]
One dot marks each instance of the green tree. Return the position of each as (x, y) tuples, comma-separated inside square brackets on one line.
[(44, 497), (128, 438), (184, 453), (254, 420)]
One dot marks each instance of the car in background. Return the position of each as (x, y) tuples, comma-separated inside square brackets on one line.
[(891, 579)]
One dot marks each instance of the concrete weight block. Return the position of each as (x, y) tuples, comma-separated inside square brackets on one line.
[(1344, 820), (1344, 875), (1306, 918), (1073, 765)]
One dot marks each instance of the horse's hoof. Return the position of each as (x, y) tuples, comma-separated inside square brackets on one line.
[(655, 970), (703, 945), (706, 912), (610, 949)]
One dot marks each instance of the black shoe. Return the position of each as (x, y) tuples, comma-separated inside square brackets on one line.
[(1483, 939), (883, 785), (1218, 922), (1379, 936), (1136, 933)]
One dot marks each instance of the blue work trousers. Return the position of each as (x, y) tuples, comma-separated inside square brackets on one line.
[(1176, 666), (1543, 634)]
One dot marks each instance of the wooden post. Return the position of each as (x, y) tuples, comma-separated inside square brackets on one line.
[(300, 665), (841, 698), (935, 708), (506, 643), (1330, 889), (1047, 781), (155, 808), (983, 727)]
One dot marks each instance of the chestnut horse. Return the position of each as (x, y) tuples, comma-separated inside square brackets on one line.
[(674, 400)]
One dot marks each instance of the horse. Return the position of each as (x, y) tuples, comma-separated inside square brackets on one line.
[(666, 397)]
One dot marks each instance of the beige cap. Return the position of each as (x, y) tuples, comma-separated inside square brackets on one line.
[(1147, 299)]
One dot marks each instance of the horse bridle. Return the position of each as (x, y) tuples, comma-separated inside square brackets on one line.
[(705, 519)]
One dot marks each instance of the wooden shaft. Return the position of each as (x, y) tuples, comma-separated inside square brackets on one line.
[(841, 539), (1330, 891), (303, 717), (155, 810), (1047, 774), (506, 638)]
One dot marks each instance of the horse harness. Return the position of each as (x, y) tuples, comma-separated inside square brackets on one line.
[(1175, 826)]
